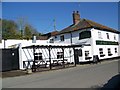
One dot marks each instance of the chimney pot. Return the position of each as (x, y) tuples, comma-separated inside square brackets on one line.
[(76, 17)]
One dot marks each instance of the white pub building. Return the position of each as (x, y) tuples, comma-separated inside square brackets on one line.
[(97, 40), (94, 41)]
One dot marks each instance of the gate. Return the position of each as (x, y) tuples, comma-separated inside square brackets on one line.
[(10, 59)]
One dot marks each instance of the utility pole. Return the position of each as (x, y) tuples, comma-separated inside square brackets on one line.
[(54, 24)]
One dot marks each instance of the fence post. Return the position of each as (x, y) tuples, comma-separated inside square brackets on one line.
[(49, 49), (74, 55), (33, 67), (63, 58)]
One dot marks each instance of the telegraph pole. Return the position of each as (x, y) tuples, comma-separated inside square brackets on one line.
[(54, 24)]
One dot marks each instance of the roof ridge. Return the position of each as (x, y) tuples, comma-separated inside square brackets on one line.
[(88, 22)]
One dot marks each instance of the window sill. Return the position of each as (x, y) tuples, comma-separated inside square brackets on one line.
[(102, 55), (110, 54), (86, 58)]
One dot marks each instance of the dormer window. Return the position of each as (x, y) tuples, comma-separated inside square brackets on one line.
[(62, 38), (107, 35)]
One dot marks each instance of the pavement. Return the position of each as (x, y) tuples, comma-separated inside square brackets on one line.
[(82, 76)]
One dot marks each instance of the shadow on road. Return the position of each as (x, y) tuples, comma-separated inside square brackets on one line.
[(112, 84)]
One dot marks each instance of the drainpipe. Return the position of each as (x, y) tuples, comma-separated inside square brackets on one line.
[(71, 38), (5, 43)]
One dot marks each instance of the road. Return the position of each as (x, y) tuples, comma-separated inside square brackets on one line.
[(82, 76)]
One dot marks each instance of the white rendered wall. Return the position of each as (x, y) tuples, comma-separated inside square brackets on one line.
[(92, 41), (27, 54), (95, 47), (75, 38)]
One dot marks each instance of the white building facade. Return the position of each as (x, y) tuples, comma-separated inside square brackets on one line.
[(95, 39)]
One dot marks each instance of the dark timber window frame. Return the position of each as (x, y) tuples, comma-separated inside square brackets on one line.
[(114, 37), (115, 50), (101, 52), (84, 35), (62, 38), (107, 35), (59, 55), (38, 56), (109, 52), (87, 53)]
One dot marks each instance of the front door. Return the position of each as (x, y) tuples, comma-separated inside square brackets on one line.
[(77, 54)]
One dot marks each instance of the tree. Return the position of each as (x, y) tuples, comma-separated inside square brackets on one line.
[(12, 30), (9, 29), (21, 24), (27, 32)]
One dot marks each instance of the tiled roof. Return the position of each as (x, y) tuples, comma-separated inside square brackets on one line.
[(84, 24), (42, 38), (54, 33)]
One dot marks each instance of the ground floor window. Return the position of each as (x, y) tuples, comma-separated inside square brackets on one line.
[(86, 54), (59, 55), (101, 52), (109, 52), (115, 50), (87, 57), (38, 56)]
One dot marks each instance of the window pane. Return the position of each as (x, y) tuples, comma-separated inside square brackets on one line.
[(99, 35), (107, 35), (62, 38), (59, 55), (85, 34)]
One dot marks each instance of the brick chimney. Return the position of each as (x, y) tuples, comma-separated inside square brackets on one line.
[(76, 17)]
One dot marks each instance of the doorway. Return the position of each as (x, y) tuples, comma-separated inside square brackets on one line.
[(77, 54)]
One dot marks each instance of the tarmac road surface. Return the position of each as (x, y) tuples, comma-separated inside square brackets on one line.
[(82, 76)]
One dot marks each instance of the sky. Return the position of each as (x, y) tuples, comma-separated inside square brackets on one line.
[(41, 15)]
